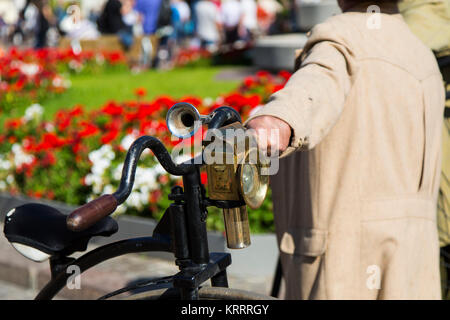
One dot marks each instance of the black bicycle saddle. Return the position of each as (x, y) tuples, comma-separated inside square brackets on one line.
[(44, 228)]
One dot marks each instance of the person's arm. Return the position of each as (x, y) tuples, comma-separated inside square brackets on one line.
[(310, 104)]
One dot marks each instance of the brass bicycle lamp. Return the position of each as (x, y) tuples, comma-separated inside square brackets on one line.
[(233, 168)]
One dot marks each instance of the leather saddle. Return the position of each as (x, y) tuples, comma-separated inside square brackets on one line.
[(39, 231)]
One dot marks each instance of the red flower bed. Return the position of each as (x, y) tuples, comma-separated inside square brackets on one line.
[(28, 76), (186, 56), (78, 155)]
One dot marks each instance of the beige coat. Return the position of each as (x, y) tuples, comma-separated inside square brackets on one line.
[(355, 212)]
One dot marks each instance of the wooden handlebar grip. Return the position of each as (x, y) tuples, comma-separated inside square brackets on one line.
[(92, 212)]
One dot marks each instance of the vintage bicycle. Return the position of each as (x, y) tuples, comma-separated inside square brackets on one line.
[(40, 232)]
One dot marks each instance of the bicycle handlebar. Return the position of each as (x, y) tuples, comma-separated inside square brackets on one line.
[(95, 210), (92, 212)]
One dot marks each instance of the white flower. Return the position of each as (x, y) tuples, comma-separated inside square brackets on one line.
[(120, 210), (33, 112), (58, 82), (10, 179), (100, 166), (108, 189), (100, 59), (101, 159), (75, 65), (97, 188), (159, 169), (49, 127), (128, 140), (117, 173), (4, 164), (208, 101), (95, 181), (29, 69), (89, 179), (20, 156), (134, 200), (182, 158), (220, 100), (145, 178)]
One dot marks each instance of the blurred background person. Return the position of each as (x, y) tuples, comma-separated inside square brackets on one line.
[(250, 20), (59, 9), (209, 24), (92, 9), (267, 14), (111, 21), (232, 17), (150, 11), (131, 17), (75, 25), (26, 22), (45, 19), (183, 26), (9, 16)]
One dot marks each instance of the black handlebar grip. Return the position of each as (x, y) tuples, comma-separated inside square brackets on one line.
[(92, 212)]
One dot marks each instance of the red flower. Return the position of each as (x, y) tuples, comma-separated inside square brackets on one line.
[(146, 110), (163, 179), (263, 74), (110, 136), (155, 196), (88, 129), (50, 195), (249, 82), (76, 147), (62, 120), (204, 178), (254, 101), (277, 87), (13, 124), (48, 160), (115, 57), (76, 111), (285, 74), (192, 100), (49, 141), (18, 86), (113, 109), (164, 101), (140, 92)]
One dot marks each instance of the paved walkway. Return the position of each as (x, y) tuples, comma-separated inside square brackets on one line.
[(10, 291), (20, 278)]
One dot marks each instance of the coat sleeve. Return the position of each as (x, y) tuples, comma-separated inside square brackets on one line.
[(314, 97)]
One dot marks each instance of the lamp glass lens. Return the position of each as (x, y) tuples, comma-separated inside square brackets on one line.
[(249, 178)]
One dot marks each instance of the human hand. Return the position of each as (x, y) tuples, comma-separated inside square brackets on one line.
[(272, 134)]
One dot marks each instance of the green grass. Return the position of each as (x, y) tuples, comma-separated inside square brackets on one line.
[(92, 91)]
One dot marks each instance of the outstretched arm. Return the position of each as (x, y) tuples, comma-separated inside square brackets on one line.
[(310, 104)]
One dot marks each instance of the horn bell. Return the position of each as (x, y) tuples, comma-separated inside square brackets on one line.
[(183, 120)]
